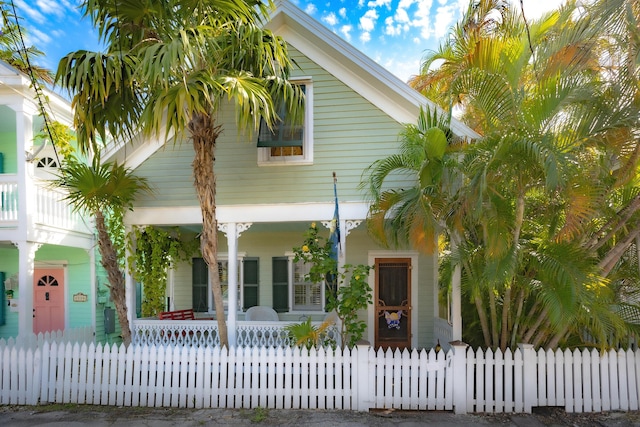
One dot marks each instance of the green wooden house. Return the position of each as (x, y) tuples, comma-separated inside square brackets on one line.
[(270, 190), (49, 279)]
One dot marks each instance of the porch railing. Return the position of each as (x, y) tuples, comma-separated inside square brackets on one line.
[(204, 333), (8, 199), (51, 208)]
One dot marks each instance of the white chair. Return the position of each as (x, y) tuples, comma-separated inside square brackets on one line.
[(261, 312)]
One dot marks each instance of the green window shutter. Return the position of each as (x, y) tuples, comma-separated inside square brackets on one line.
[(280, 284), (199, 285), (250, 285)]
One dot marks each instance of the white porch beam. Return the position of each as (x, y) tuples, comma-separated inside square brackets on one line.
[(293, 212)]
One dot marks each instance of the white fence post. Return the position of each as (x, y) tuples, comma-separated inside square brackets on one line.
[(529, 376), (459, 376), (364, 386)]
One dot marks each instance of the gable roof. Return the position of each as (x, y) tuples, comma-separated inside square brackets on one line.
[(338, 57), (374, 82), (16, 87)]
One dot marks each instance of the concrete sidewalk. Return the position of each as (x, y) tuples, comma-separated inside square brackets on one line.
[(86, 415)]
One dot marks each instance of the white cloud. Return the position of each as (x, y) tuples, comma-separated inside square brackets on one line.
[(405, 4), (365, 37), (403, 69), (401, 15), (51, 7), (368, 21), (445, 18), (390, 28), (535, 8), (27, 11), (345, 30), (311, 9), (330, 19), (39, 38), (343, 12), (377, 3), (422, 18)]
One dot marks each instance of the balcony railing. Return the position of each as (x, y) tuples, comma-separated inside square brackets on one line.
[(51, 208), (8, 200)]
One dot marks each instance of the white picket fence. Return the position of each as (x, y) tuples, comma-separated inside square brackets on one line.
[(462, 380)]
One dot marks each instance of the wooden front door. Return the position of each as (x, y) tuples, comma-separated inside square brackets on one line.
[(393, 303), (48, 299)]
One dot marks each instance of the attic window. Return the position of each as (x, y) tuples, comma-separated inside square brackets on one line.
[(47, 162), (288, 144), (283, 134)]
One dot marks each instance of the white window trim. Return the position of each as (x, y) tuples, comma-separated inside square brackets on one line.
[(291, 256), (225, 257), (264, 156)]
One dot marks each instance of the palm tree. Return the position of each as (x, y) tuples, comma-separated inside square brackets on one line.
[(168, 67), (106, 191), (427, 158), (15, 53), (554, 168)]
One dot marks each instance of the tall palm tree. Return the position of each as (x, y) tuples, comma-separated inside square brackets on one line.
[(106, 191), (169, 65), (554, 168)]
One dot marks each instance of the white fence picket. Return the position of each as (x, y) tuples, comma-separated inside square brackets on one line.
[(35, 370)]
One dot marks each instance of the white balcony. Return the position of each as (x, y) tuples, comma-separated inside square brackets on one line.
[(51, 210)]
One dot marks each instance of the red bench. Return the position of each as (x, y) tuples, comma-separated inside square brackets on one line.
[(177, 315)]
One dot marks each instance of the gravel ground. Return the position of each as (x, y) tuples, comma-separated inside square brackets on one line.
[(87, 415)]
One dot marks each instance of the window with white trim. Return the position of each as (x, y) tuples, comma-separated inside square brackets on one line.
[(286, 144), (291, 292), (247, 283)]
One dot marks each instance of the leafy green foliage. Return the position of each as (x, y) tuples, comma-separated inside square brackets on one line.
[(347, 291), (307, 335), (544, 220), (154, 250)]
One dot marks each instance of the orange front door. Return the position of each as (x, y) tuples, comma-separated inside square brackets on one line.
[(48, 299)]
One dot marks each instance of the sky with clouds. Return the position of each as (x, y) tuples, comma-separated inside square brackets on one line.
[(394, 33)]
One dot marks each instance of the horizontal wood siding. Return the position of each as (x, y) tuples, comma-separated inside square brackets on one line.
[(349, 134)]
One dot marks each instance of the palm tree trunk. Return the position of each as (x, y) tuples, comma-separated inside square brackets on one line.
[(204, 134), (517, 318), (506, 308), (483, 320), (494, 319), (109, 260), (612, 257), (534, 328)]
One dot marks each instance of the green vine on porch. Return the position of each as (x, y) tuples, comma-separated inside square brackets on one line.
[(153, 250), (347, 291)]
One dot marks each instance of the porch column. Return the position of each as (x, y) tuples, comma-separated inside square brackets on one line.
[(27, 207), (456, 300), (232, 231), (129, 285), (94, 291), (26, 259)]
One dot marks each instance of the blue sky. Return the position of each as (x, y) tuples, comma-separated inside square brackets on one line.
[(394, 33)]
